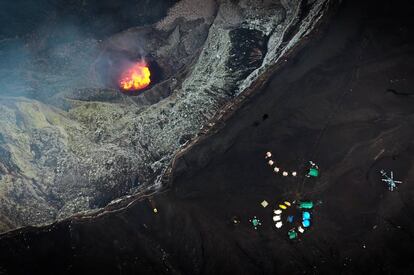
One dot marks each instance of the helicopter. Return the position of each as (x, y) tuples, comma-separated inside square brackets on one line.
[(392, 184)]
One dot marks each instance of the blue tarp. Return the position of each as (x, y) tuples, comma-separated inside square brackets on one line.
[(306, 223), (306, 215)]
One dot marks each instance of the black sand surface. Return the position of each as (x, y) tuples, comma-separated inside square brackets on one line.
[(346, 101)]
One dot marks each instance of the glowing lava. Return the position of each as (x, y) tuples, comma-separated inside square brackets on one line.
[(137, 77)]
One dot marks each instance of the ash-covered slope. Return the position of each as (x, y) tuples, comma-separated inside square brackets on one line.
[(73, 143)]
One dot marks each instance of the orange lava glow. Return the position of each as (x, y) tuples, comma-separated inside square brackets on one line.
[(137, 77)]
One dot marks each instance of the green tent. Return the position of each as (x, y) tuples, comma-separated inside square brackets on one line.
[(306, 205), (292, 234), (313, 172)]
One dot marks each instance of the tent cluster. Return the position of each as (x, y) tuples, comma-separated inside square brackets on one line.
[(277, 169), (299, 217), (277, 218), (313, 170), (295, 215)]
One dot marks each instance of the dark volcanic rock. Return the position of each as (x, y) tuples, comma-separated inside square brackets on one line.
[(328, 103)]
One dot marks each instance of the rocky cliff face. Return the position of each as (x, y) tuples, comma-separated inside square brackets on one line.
[(67, 148)]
